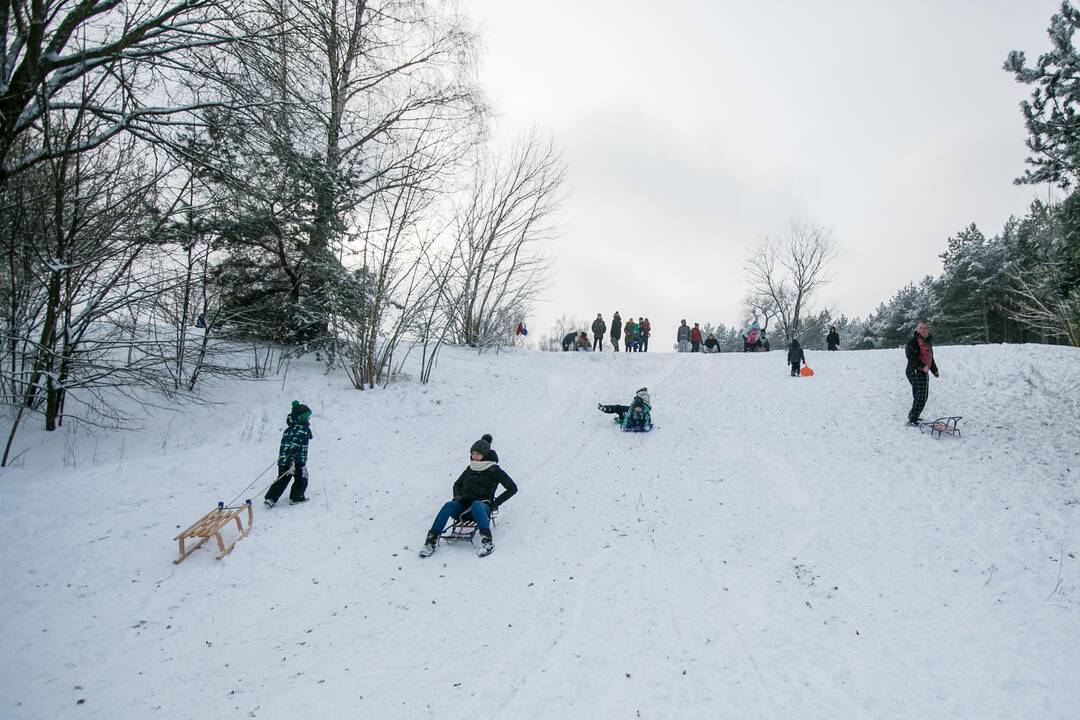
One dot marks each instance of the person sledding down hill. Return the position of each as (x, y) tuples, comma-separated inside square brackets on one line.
[(635, 417), (474, 495)]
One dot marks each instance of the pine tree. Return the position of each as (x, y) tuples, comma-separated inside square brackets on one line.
[(1051, 116)]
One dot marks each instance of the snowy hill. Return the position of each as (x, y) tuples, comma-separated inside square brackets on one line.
[(777, 548)]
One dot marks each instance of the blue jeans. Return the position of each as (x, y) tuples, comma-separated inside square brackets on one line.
[(454, 509)]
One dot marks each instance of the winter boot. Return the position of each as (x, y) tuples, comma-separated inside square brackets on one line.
[(430, 543), (269, 503), (297, 501), (486, 545)]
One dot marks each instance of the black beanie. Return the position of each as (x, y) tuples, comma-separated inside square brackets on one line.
[(482, 446)]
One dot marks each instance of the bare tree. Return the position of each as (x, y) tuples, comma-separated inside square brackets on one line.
[(101, 58), (786, 271), (509, 212), (1053, 314)]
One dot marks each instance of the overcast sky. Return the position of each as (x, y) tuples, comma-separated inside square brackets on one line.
[(691, 129)]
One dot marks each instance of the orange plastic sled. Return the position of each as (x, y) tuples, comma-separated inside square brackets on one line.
[(806, 371)]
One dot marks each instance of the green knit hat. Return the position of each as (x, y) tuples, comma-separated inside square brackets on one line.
[(301, 411)]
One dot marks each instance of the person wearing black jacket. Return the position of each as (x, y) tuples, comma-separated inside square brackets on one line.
[(599, 327), (569, 341), (616, 330), (796, 357), (920, 364), (474, 495), (833, 338)]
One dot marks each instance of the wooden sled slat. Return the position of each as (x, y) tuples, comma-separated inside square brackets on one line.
[(210, 526)]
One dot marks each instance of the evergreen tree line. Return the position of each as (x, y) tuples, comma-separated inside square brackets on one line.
[(1022, 284)]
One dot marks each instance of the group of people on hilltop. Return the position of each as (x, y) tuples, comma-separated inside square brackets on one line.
[(634, 335)]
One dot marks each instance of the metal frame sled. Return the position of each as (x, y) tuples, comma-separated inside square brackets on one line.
[(464, 528), (638, 429), (942, 426)]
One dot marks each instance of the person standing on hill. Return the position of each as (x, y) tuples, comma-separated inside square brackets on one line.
[(630, 333), (599, 327), (292, 455), (682, 337), (695, 339), (639, 335), (833, 338), (796, 357), (616, 330), (920, 365), (646, 331), (474, 497)]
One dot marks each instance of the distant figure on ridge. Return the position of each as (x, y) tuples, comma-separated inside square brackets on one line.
[(795, 357), (583, 344), (682, 337), (752, 337), (833, 338), (646, 331), (616, 330), (630, 333), (569, 341), (712, 345), (599, 327), (695, 339)]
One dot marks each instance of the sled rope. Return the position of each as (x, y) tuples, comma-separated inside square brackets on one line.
[(241, 493)]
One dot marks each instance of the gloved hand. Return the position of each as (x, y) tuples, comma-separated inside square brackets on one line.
[(934, 370)]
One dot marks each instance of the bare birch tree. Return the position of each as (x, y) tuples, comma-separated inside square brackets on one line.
[(786, 271), (509, 213)]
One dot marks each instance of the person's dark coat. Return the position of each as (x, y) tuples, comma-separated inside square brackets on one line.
[(795, 353), (599, 327), (616, 327), (833, 340), (481, 484), (569, 340), (294, 441), (914, 357)]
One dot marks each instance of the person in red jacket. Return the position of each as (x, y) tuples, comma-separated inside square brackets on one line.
[(695, 339)]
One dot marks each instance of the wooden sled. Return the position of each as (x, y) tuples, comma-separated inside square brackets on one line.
[(942, 426), (210, 525), (464, 528)]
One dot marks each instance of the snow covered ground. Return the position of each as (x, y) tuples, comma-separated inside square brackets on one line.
[(777, 548)]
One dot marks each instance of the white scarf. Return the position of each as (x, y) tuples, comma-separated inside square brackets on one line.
[(481, 465)]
